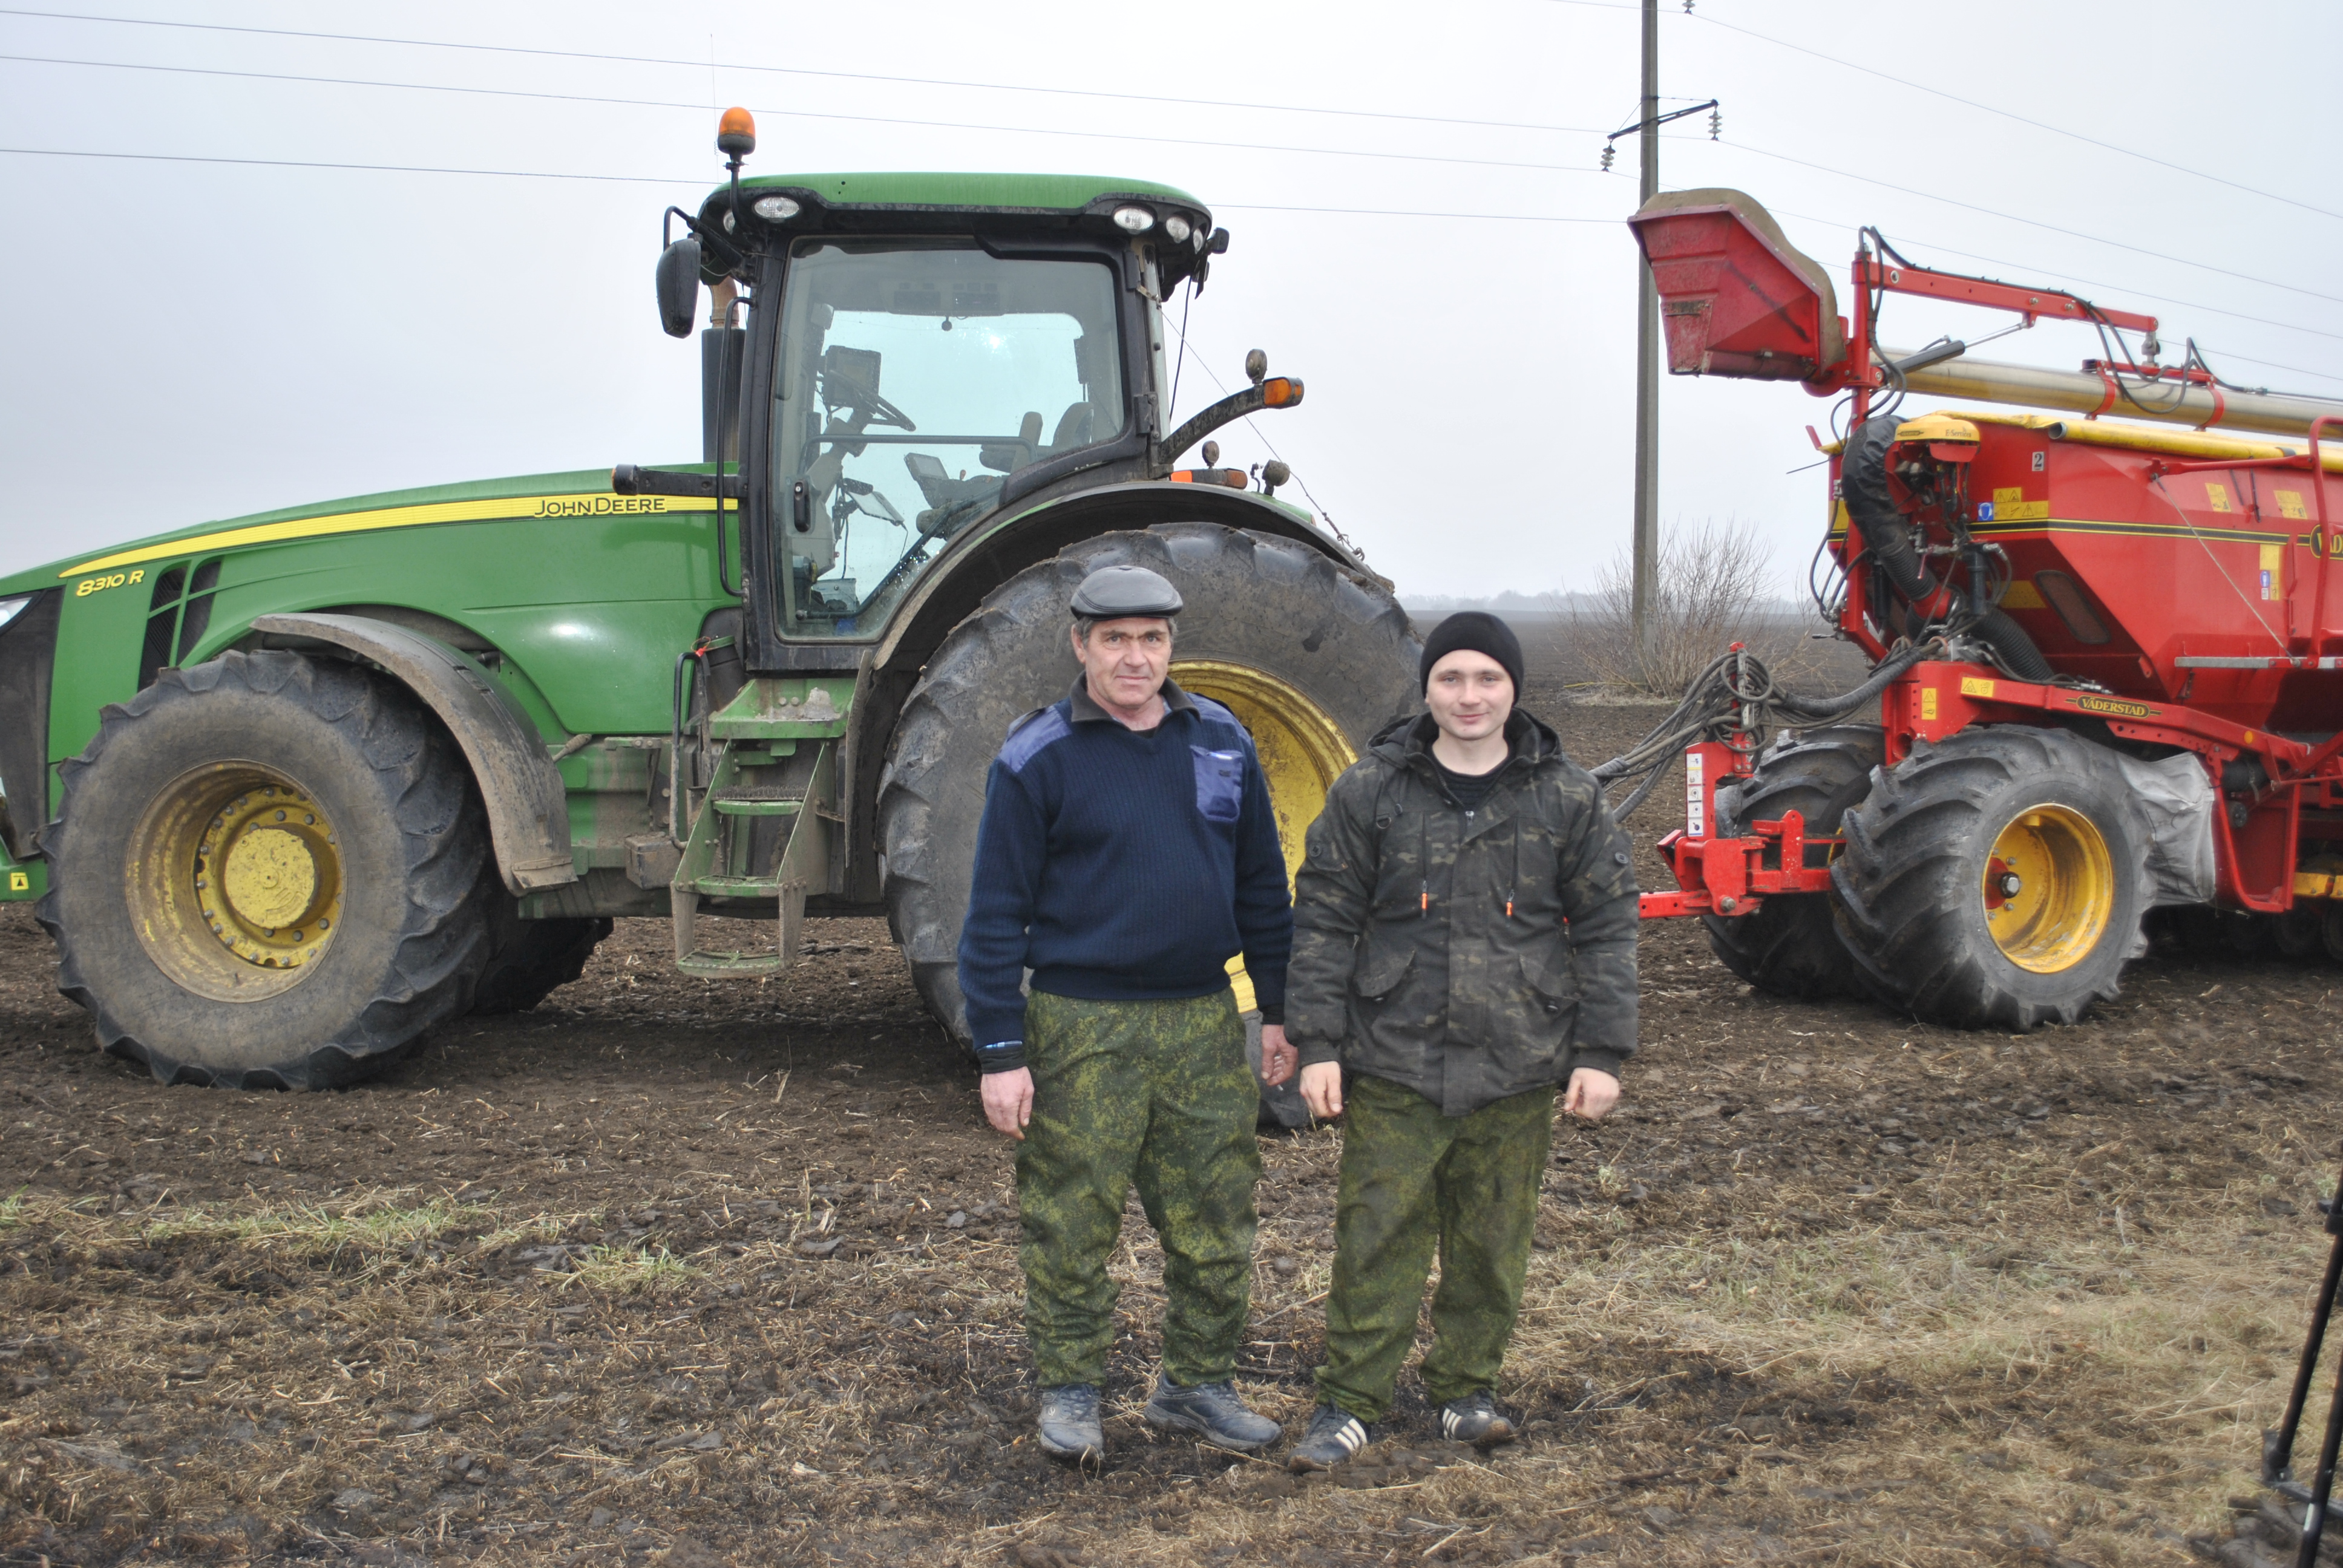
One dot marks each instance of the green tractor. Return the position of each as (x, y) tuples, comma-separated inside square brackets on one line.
[(292, 788)]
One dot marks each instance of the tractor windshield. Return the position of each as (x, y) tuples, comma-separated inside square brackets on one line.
[(914, 376)]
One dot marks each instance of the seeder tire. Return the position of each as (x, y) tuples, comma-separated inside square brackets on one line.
[(266, 874), (1312, 657), (1791, 947), (1922, 896), (532, 959)]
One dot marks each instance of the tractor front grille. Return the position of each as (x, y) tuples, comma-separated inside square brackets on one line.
[(29, 659)]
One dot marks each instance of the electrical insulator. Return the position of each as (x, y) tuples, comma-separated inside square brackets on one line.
[(1609, 152), (1715, 124)]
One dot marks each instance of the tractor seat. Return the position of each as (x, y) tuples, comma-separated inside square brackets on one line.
[(1008, 457), (1074, 429), (950, 500)]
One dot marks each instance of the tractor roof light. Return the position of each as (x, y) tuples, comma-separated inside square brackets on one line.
[(10, 609), (1177, 229), (1281, 392), (736, 133), (1134, 218), (775, 209)]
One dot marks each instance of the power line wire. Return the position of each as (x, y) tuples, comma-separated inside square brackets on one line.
[(2011, 114), (370, 168), (1155, 137), (796, 71), (704, 181), (946, 124)]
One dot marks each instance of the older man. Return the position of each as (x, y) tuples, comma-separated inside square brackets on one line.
[(1127, 852)]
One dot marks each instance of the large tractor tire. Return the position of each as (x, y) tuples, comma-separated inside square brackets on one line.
[(1312, 657), (1790, 946), (1996, 879), (267, 872), (530, 959)]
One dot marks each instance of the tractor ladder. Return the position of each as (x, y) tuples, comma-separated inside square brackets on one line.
[(765, 826)]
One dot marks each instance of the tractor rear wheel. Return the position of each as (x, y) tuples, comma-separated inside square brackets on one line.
[(532, 959), (267, 873), (1312, 657), (1790, 946), (1995, 879)]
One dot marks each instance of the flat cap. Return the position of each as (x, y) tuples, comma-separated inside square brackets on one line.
[(1114, 591)]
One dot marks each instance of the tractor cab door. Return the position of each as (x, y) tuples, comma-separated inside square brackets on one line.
[(916, 384)]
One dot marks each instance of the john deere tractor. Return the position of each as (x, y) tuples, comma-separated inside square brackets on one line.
[(292, 788)]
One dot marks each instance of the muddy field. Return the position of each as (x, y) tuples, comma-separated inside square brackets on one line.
[(689, 1273)]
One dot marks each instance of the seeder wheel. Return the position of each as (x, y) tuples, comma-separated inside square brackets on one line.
[(1996, 879), (1790, 946)]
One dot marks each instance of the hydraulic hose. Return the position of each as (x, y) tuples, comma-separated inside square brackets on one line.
[(1887, 534)]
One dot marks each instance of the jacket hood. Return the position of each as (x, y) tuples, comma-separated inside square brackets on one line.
[(1403, 740)]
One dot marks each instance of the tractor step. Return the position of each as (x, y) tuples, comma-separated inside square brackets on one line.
[(738, 887), (731, 965), (757, 803)]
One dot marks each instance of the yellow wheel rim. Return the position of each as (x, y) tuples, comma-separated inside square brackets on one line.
[(2049, 888), (235, 881), (1302, 751)]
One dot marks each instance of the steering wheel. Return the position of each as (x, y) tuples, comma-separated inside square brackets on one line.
[(882, 412), (870, 409)]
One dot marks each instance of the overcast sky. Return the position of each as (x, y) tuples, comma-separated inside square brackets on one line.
[(1420, 227)]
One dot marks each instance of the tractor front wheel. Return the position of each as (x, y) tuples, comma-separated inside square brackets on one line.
[(1790, 946), (267, 872), (1995, 879)]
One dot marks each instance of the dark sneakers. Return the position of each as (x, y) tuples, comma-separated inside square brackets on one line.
[(1067, 1426), (1474, 1419), (1334, 1435), (1212, 1412)]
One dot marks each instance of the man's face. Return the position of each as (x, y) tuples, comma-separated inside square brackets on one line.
[(1126, 659), (1470, 695)]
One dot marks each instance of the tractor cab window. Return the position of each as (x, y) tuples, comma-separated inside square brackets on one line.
[(914, 376)]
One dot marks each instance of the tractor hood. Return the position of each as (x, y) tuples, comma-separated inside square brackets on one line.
[(581, 493)]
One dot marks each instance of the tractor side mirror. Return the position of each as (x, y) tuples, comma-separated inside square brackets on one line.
[(679, 287)]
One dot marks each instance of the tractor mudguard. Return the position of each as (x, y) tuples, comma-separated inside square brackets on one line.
[(528, 810)]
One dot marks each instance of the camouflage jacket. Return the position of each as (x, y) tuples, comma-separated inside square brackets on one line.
[(1468, 955)]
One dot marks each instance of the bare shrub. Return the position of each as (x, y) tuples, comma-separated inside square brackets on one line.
[(1717, 586)]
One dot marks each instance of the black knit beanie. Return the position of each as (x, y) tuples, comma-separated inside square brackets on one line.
[(1481, 632)]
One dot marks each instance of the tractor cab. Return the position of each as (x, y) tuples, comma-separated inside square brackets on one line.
[(894, 360)]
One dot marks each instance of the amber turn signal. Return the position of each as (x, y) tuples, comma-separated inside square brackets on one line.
[(736, 133), (1281, 392)]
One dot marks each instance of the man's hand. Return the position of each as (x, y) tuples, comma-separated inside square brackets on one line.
[(1592, 1093), (1278, 1057), (1009, 1100), (1322, 1089)]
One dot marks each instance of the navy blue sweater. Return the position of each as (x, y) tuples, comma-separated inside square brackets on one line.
[(1123, 865)]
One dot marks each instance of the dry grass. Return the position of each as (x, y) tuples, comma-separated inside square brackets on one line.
[(371, 1224), (627, 1269)]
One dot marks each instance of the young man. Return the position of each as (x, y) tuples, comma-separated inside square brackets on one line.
[(1465, 941), (1127, 852)]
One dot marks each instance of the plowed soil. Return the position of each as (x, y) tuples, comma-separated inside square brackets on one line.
[(685, 1272)]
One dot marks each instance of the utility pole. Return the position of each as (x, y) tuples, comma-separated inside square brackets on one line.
[(1647, 363)]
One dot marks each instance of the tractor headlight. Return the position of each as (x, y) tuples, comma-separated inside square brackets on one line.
[(1176, 228), (775, 209), (10, 609), (1134, 219)]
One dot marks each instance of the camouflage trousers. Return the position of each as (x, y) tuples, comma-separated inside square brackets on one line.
[(1156, 1095), (1412, 1177)]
